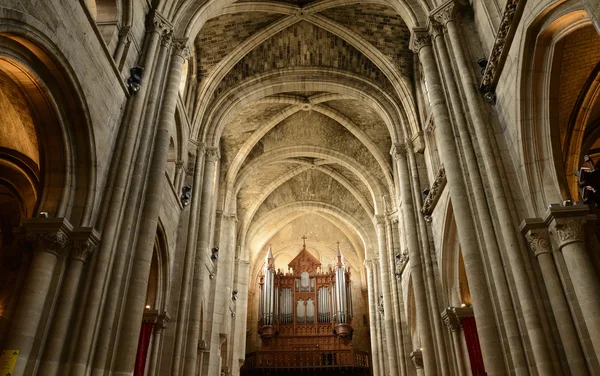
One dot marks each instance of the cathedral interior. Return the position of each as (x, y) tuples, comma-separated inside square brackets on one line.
[(299, 187)]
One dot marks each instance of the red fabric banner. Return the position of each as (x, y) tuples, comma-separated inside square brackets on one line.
[(472, 339), (142, 351)]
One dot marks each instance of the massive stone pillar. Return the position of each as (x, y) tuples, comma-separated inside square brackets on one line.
[(505, 304), (84, 240), (48, 237), (188, 267), (202, 258), (372, 318), (388, 317), (567, 231), (138, 280), (536, 234), (416, 267), (533, 323), (487, 327), (121, 171)]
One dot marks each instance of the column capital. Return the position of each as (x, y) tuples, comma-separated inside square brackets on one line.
[(434, 192), (47, 234), (380, 221), (85, 240), (435, 29), (417, 358), (566, 223), (419, 38), (166, 36), (444, 13), (230, 217), (212, 154), (398, 150), (181, 49), (536, 234), (157, 23), (451, 319)]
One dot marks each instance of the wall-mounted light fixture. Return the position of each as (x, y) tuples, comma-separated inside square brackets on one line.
[(185, 195), (134, 82), (215, 254)]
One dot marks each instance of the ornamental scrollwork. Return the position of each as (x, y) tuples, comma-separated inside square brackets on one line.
[(434, 192)]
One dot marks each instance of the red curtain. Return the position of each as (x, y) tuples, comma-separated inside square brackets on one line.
[(142, 350), (472, 339)]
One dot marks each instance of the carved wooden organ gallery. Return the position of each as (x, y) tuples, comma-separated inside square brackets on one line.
[(305, 321), (305, 302)]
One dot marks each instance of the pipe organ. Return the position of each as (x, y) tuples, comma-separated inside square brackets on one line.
[(306, 306)]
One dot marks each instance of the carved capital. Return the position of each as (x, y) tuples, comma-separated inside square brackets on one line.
[(47, 234), (401, 263), (202, 345), (419, 38), (567, 224), (212, 154), (181, 49), (430, 125), (157, 23), (417, 358), (451, 319), (568, 230), (161, 322), (435, 30), (398, 151), (85, 241), (230, 217), (444, 13), (380, 222)]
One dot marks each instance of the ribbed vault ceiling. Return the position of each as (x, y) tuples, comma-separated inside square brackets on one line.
[(304, 100)]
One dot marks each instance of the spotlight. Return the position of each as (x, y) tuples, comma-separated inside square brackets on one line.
[(490, 97), (234, 295), (185, 195), (425, 192), (215, 254), (482, 64), (134, 82), (43, 214)]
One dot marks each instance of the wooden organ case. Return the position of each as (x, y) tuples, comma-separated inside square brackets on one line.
[(305, 319)]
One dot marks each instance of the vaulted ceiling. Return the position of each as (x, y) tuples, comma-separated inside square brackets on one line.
[(304, 100)]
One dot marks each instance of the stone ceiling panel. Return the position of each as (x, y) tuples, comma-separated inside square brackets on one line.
[(304, 45), (381, 26), (222, 34), (315, 129), (368, 121)]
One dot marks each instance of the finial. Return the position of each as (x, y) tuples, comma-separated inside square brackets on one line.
[(304, 241)]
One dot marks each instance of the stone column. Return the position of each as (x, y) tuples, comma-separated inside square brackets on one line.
[(416, 266), (417, 358), (487, 327), (188, 266), (505, 304), (567, 231), (84, 241), (202, 258), (121, 172), (452, 320), (48, 237), (372, 317), (132, 315), (533, 323), (160, 324), (536, 234), (388, 317)]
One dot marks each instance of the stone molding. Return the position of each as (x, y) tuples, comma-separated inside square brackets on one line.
[(85, 240), (398, 150), (417, 358), (47, 234), (451, 319), (419, 38), (567, 223), (434, 192), (444, 13), (508, 26)]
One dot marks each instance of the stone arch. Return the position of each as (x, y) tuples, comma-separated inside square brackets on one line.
[(544, 174)]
